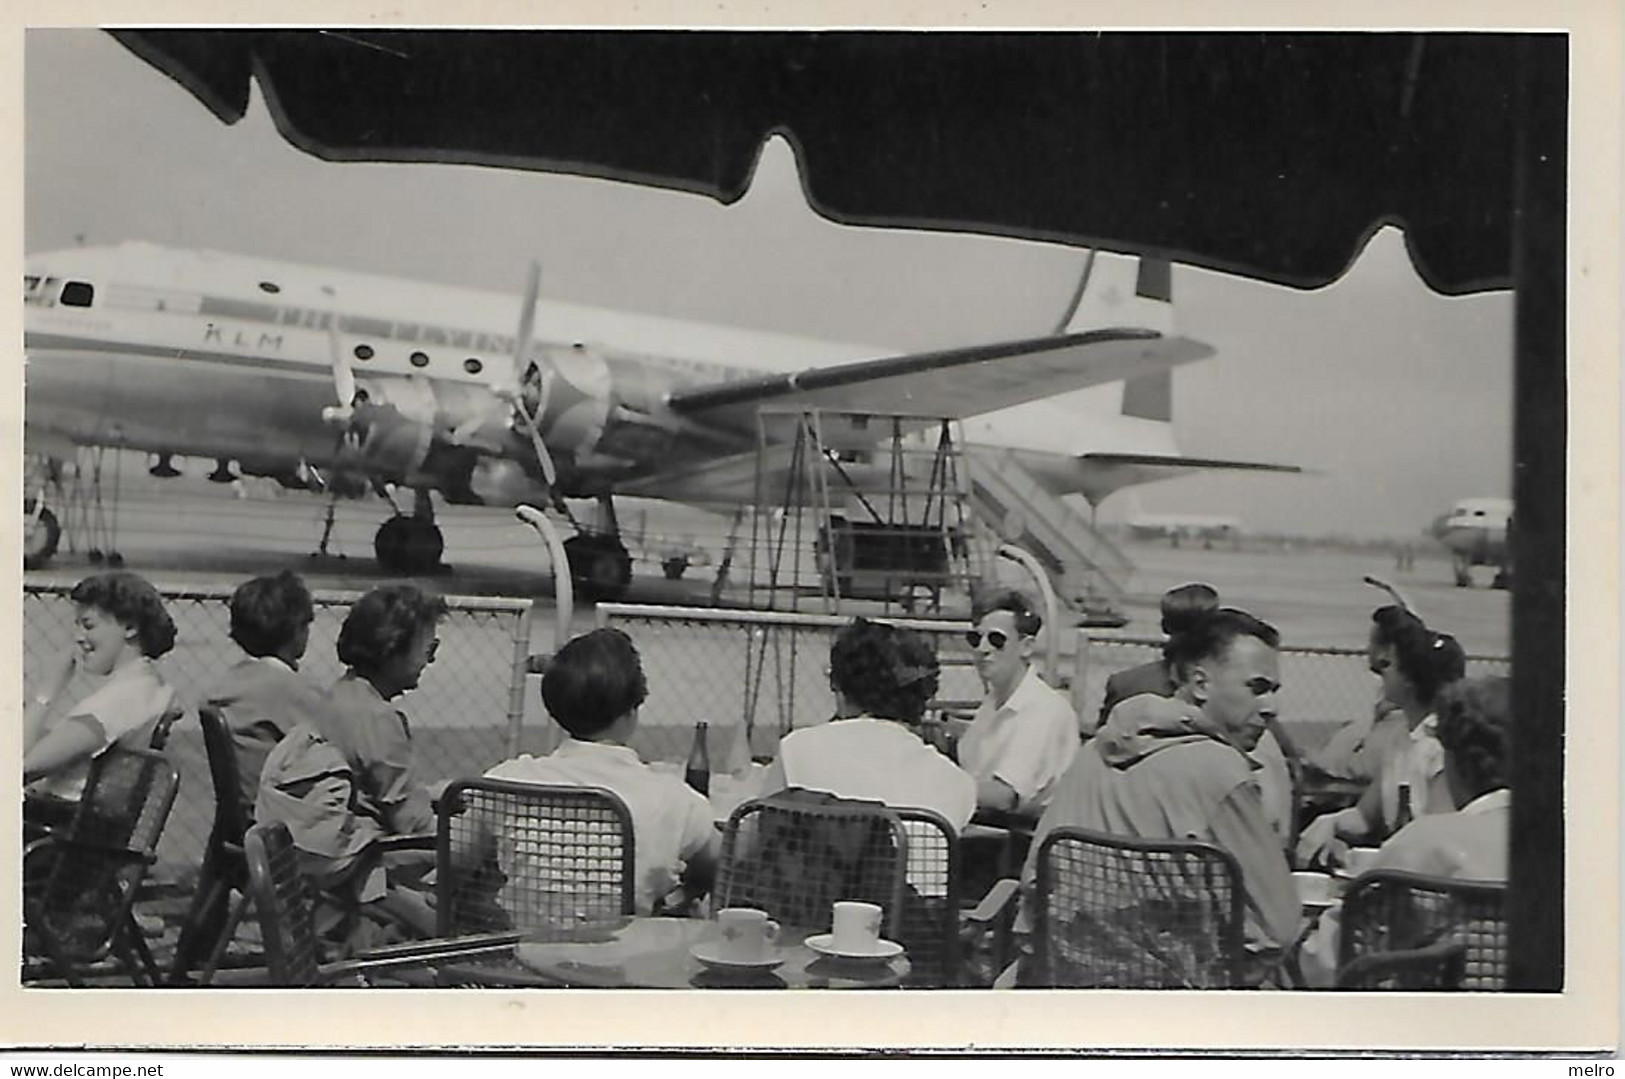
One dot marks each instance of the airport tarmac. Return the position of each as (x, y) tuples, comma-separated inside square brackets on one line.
[(189, 532)]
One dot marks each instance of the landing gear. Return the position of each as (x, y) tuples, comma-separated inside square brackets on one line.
[(165, 468), (1464, 571), (409, 545), (600, 567), (1503, 578), (41, 534)]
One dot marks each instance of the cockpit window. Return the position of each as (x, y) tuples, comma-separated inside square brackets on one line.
[(77, 294)]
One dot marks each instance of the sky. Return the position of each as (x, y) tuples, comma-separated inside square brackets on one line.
[(1398, 400)]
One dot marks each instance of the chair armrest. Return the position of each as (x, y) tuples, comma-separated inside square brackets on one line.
[(420, 952), (999, 901), (87, 846), (390, 844), (1440, 963)]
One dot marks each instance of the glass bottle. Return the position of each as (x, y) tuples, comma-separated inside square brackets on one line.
[(698, 772)]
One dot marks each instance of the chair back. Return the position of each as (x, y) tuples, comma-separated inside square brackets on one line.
[(286, 906), (1386, 912), (83, 902), (797, 853), (528, 856), (931, 898), (230, 815), (1122, 913), (160, 729)]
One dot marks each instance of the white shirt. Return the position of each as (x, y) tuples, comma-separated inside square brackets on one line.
[(1419, 764), (131, 698), (671, 823), (877, 760), (1028, 742)]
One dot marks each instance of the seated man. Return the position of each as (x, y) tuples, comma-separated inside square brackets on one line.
[(263, 697), (1024, 734), (1180, 768), (593, 689)]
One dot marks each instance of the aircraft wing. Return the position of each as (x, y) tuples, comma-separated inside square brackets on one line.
[(956, 383), (1096, 475)]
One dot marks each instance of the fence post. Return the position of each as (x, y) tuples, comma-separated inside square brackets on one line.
[(522, 624), (1080, 682)]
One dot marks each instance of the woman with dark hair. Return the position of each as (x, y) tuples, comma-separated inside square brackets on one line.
[(106, 690), (882, 676), (1182, 607), (1414, 663), (1470, 843), (346, 778), (387, 641), (263, 697)]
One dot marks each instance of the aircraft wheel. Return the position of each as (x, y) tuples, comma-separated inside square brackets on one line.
[(1502, 580), (41, 534), (388, 544), (600, 567), (674, 567), (422, 545)]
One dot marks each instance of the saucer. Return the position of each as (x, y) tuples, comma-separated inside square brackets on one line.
[(824, 944), (710, 953)]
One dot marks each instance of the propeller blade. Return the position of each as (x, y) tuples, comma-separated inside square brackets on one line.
[(343, 376), (527, 331)]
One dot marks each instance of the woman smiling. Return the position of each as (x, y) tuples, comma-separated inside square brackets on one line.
[(106, 689)]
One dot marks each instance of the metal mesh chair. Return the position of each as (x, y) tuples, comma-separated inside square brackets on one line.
[(528, 856), (797, 853), (1121, 913), (1414, 932), (82, 882), (933, 880), (286, 905), (222, 887)]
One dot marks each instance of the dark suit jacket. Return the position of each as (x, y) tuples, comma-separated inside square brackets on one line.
[(1146, 678)]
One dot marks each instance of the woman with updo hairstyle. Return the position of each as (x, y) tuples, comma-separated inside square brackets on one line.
[(105, 690), (1414, 664), (882, 677), (1472, 842)]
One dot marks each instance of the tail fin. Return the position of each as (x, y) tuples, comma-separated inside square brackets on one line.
[(1150, 397)]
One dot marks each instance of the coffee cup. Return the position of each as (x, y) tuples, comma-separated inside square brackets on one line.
[(1314, 889), (747, 933), (856, 928), (1359, 860)]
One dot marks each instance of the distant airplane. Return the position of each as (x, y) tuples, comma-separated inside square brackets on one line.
[(1186, 528), (337, 380), (1475, 531)]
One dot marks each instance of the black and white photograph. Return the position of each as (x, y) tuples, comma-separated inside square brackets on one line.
[(753, 508)]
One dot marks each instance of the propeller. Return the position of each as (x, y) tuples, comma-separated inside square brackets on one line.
[(344, 386), (530, 420)]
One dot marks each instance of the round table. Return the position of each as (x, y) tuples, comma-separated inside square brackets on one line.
[(653, 953)]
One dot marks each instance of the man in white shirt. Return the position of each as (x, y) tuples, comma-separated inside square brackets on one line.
[(593, 688), (1024, 734)]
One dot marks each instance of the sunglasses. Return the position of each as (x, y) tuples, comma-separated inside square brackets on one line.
[(434, 647), (997, 638)]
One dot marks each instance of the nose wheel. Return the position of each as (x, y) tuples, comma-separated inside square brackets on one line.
[(408, 545), (41, 534)]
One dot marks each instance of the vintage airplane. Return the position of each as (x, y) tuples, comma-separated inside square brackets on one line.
[(1475, 531), (311, 374)]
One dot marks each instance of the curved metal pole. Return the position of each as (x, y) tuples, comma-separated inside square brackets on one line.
[(1052, 608), (563, 587)]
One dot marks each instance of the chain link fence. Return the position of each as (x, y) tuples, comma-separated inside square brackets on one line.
[(752, 676), (1321, 688), (469, 712)]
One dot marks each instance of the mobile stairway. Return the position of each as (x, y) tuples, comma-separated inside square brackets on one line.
[(1086, 569)]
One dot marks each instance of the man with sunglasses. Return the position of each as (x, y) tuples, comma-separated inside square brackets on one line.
[(1183, 768), (1024, 734)]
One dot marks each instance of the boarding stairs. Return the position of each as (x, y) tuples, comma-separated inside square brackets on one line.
[(1086, 569)]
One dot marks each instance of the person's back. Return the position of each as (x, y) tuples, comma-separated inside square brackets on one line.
[(261, 700), (670, 821), (874, 760)]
